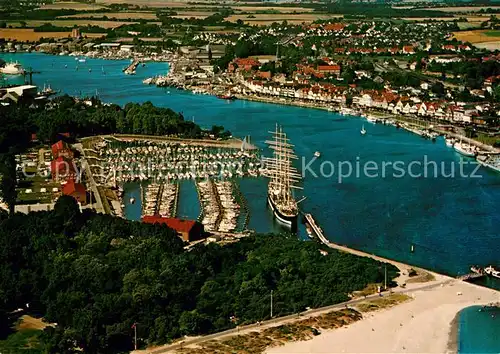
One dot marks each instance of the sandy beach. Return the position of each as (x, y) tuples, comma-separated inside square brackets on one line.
[(422, 325)]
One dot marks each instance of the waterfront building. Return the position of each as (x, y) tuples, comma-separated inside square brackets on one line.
[(188, 230)]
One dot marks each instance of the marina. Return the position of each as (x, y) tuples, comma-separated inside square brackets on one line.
[(158, 166), (452, 222)]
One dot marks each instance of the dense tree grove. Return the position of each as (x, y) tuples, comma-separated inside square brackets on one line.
[(95, 275), (65, 114)]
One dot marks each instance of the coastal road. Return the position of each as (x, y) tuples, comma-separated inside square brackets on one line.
[(279, 320)]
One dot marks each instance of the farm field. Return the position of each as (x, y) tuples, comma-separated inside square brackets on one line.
[(158, 3), (75, 22), (495, 45), (476, 36), (272, 8), (265, 19), (71, 6), (194, 14), (118, 15), (459, 9), (28, 35), (492, 33)]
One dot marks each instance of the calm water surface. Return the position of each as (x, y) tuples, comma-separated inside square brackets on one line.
[(479, 330), (452, 222)]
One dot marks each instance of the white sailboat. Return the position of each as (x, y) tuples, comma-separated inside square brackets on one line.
[(283, 179), (363, 130)]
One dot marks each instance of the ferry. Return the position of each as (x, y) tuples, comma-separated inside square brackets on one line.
[(283, 179), (492, 272), (465, 149), (12, 69)]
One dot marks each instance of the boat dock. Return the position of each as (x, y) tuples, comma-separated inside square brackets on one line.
[(130, 70)]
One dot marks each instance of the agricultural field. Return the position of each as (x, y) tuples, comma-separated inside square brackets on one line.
[(76, 22), (254, 9), (492, 33), (477, 36), (72, 6), (158, 3), (193, 14), (118, 15), (461, 9), (266, 19), (28, 35)]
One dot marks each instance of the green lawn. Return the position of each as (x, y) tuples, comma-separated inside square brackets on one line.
[(492, 33), (25, 341)]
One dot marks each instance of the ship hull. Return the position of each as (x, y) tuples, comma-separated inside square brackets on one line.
[(463, 152), (289, 221)]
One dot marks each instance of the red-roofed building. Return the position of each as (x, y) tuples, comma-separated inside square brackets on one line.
[(61, 149), (408, 49), (334, 27), (264, 75), (245, 64), (62, 169), (188, 230), (75, 190), (329, 69)]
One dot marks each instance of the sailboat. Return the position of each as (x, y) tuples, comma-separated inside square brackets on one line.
[(363, 130), (283, 179)]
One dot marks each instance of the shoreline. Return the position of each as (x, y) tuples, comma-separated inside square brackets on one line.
[(453, 336), (428, 323)]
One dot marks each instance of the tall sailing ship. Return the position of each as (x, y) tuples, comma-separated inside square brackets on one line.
[(283, 179)]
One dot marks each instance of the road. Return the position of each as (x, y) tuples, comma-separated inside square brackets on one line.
[(279, 320)]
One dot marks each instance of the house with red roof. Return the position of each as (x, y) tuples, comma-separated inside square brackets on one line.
[(188, 230), (408, 49), (75, 190), (329, 69)]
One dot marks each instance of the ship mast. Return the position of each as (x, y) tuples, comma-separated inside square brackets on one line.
[(284, 176)]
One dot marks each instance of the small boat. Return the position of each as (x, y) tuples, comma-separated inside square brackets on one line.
[(371, 119), (226, 97), (317, 154), (309, 231), (12, 69), (465, 149), (90, 70), (83, 60), (412, 248), (363, 130), (492, 272), (132, 200)]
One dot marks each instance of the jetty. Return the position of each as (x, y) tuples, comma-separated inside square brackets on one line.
[(130, 70), (470, 276)]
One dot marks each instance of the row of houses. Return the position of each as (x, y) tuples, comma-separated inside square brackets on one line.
[(385, 100)]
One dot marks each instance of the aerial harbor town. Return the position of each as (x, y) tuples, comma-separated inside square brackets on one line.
[(198, 177)]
